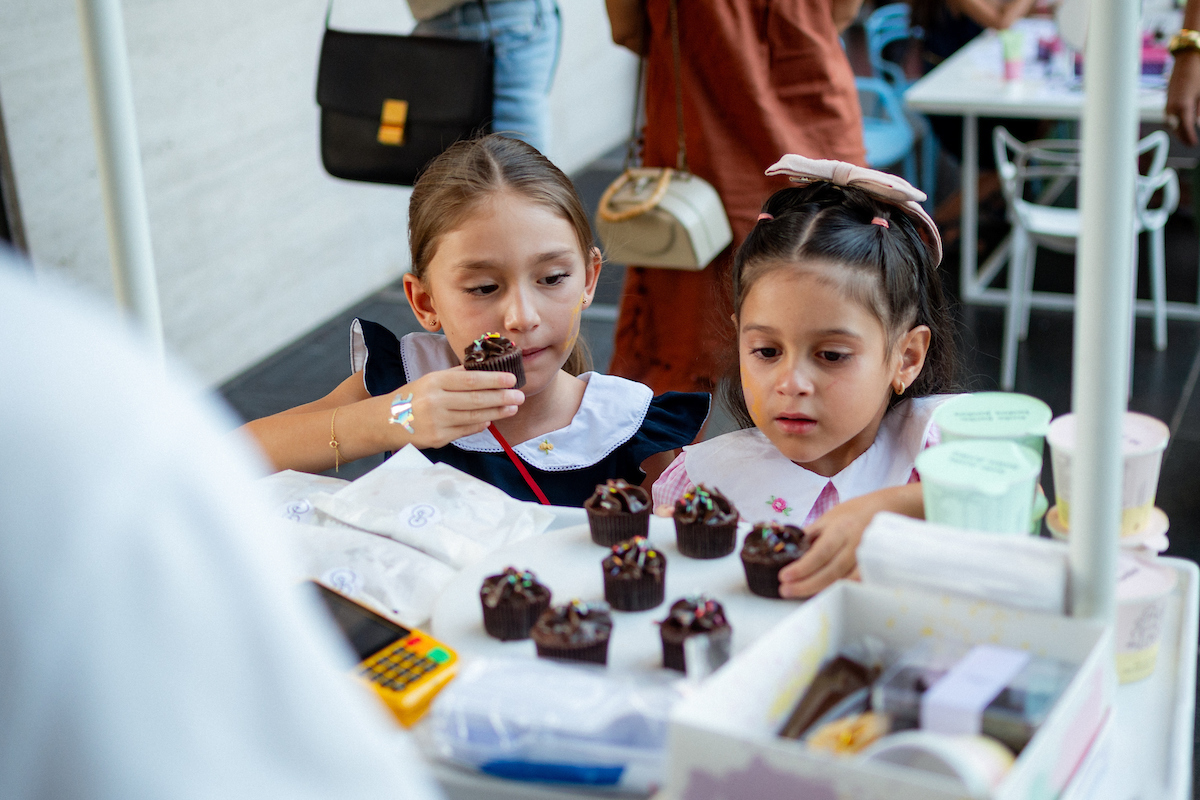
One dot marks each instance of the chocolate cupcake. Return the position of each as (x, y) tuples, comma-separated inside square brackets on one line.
[(512, 602), (768, 548), (705, 523), (494, 353), (695, 616), (617, 511), (634, 573), (577, 631)]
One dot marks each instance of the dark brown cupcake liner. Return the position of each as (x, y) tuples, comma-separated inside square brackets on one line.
[(509, 363), (511, 621), (596, 653), (763, 579), (639, 594), (697, 540), (673, 656), (609, 529)]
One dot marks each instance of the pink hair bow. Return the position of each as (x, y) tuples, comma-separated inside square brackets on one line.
[(891, 189)]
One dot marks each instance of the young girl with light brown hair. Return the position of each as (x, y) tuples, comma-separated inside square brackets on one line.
[(500, 244)]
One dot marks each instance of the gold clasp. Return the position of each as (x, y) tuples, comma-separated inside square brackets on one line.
[(391, 122)]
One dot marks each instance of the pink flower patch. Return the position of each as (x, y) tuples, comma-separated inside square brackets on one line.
[(779, 505)]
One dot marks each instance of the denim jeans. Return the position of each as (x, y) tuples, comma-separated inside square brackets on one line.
[(526, 35)]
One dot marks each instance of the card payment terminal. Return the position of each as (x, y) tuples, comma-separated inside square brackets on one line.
[(405, 667)]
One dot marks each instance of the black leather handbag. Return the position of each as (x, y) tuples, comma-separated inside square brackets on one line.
[(391, 104)]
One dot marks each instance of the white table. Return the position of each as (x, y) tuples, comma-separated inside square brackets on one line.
[(1148, 755), (971, 83)]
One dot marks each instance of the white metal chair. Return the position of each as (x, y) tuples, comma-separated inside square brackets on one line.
[(1048, 167)]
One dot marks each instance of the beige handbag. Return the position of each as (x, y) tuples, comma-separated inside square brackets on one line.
[(658, 216)]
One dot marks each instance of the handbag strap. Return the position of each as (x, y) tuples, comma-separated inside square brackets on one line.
[(681, 148), (482, 7), (632, 156)]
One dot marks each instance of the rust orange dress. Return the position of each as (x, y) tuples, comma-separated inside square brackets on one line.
[(760, 78)]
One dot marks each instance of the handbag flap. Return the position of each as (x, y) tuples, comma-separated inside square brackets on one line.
[(442, 80)]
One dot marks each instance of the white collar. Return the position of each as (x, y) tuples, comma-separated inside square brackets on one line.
[(764, 484), (612, 411)]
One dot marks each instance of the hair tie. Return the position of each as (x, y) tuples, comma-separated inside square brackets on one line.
[(880, 221), (764, 215)]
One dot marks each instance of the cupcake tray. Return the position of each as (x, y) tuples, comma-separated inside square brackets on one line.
[(568, 562)]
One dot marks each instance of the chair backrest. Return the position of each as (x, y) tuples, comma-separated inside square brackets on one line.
[(879, 101), (1057, 161), (885, 25)]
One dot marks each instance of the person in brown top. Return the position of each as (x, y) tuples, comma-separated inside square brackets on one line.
[(760, 78)]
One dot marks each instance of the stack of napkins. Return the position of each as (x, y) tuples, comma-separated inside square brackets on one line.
[(1017, 571)]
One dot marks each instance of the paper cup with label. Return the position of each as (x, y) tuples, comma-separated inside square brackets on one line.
[(995, 415), (1143, 588), (979, 485), (1143, 439)]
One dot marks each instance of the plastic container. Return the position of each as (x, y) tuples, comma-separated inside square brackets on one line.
[(1012, 717), (1018, 418), (1143, 439), (980, 485), (1143, 588)]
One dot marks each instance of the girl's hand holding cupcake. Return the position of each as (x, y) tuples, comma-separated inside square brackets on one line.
[(449, 404)]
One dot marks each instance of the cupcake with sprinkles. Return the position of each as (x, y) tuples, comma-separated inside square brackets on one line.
[(617, 511), (705, 523), (495, 353), (695, 616), (768, 548), (512, 602), (634, 575), (577, 631)]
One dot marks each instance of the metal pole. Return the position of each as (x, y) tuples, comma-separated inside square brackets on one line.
[(1103, 320), (122, 187)]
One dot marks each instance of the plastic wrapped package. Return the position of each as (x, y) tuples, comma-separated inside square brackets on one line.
[(446, 513), (289, 495), (545, 721)]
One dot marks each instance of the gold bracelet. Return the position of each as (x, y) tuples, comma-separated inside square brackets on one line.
[(1184, 41), (333, 442)]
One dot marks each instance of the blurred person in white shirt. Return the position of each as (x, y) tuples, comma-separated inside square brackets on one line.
[(152, 642)]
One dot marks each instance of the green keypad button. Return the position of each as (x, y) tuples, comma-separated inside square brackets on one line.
[(438, 654)]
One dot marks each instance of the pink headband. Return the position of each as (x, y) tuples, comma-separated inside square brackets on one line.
[(883, 186)]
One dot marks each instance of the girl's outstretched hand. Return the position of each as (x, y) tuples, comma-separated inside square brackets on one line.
[(838, 532), (452, 403)]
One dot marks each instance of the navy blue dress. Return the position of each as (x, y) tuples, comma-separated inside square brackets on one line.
[(618, 426)]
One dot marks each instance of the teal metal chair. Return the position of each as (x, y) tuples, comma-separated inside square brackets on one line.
[(887, 133), (886, 25)]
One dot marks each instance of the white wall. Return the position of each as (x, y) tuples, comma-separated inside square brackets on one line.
[(253, 242)]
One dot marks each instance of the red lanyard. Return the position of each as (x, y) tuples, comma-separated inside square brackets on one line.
[(512, 456)]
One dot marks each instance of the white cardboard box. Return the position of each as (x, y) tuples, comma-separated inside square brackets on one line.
[(723, 743)]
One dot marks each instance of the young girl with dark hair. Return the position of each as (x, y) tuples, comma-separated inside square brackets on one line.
[(845, 347), (500, 243)]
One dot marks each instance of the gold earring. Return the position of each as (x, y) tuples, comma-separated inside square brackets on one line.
[(901, 385)]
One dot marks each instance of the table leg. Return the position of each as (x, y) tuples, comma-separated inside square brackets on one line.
[(969, 215)]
